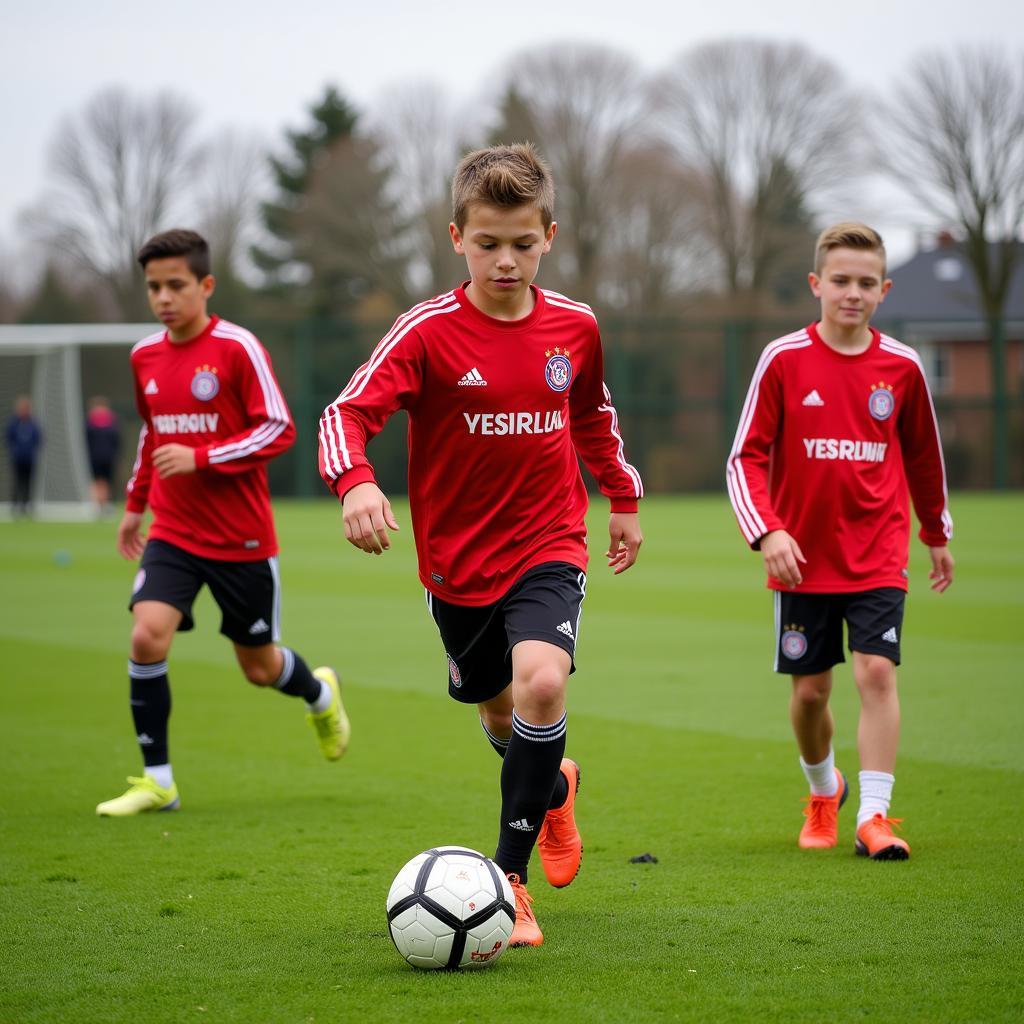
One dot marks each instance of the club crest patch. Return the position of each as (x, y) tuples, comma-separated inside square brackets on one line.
[(453, 672), (558, 371), (205, 384), (794, 643), (881, 403)]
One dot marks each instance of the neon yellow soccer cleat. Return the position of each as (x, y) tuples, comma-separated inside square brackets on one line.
[(331, 726), (143, 794)]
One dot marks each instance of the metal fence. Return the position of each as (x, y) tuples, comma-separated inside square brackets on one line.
[(678, 386)]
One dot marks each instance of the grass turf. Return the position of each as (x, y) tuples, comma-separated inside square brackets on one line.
[(262, 900)]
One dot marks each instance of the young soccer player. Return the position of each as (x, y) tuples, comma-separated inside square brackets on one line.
[(837, 423), (212, 416), (503, 385)]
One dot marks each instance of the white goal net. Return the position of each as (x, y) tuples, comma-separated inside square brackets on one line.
[(45, 362)]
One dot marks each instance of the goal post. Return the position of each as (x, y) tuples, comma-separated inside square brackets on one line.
[(44, 361)]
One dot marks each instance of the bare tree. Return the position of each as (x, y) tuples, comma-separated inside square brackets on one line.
[(587, 106), (655, 228), (423, 136), (955, 141), (233, 177), (119, 172), (772, 132)]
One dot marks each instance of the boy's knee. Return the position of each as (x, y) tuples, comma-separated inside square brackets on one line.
[(876, 676), (149, 643), (259, 675), (545, 686), (812, 691)]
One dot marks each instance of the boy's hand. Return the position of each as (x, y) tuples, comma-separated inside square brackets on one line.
[(782, 556), (130, 542), (368, 517), (625, 539), (173, 460), (942, 568)]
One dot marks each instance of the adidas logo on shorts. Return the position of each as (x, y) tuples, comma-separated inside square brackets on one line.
[(890, 635), (259, 626), (566, 628)]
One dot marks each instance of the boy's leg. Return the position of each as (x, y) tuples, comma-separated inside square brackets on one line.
[(812, 719), (809, 641), (530, 768), (153, 630), (496, 722), (875, 621), (249, 597)]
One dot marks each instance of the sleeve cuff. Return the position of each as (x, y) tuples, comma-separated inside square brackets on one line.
[(203, 457), (624, 505), (133, 504), (355, 476)]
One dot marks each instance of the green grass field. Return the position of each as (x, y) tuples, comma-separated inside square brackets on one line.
[(263, 898)]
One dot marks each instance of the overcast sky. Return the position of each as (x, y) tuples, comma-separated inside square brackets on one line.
[(257, 65)]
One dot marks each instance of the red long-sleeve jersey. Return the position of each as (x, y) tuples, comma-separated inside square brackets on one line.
[(497, 413), (217, 394), (826, 447)]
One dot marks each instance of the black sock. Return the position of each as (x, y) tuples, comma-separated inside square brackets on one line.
[(151, 708), (528, 776), (296, 680), (561, 791)]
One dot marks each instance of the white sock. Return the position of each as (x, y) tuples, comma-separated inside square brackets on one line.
[(822, 776), (875, 795), (161, 774), (323, 702)]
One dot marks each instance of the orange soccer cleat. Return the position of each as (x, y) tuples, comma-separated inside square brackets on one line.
[(821, 829), (876, 840), (559, 843), (526, 931)]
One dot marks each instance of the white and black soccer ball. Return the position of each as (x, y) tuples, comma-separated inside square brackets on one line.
[(451, 907)]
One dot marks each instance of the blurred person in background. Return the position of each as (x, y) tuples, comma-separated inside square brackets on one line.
[(103, 439), (24, 440)]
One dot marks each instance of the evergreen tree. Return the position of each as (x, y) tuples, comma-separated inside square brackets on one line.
[(333, 118)]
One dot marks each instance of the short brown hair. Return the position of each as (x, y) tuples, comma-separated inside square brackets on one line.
[(178, 242), (847, 234), (503, 176)]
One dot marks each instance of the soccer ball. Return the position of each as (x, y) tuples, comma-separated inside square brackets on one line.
[(451, 907)]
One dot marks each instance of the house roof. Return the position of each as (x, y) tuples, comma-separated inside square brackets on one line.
[(938, 285)]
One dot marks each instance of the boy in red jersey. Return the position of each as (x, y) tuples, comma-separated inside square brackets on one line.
[(503, 384), (212, 416), (837, 423)]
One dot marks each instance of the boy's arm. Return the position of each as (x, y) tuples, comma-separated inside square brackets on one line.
[(926, 476), (594, 425), (269, 432), (747, 469), (130, 540), (388, 381)]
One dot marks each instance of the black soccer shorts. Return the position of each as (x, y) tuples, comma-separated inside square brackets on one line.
[(809, 628), (247, 593), (545, 603)]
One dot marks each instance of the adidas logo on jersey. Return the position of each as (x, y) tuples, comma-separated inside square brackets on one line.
[(259, 626), (522, 825), (813, 398), (890, 635), (566, 628), (473, 379), (151, 388)]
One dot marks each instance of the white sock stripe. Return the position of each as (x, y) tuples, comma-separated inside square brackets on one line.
[(538, 733), (501, 741), (140, 671), (287, 667)]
